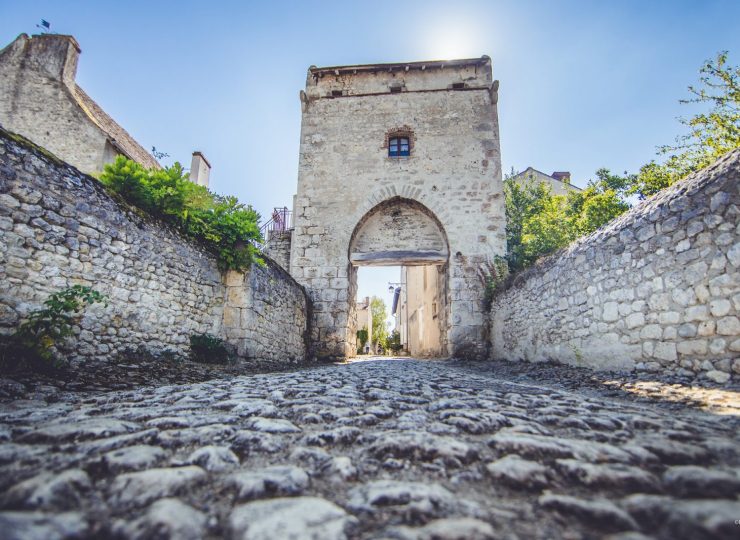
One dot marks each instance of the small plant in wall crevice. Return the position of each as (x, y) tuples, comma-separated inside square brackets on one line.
[(36, 339), (209, 349)]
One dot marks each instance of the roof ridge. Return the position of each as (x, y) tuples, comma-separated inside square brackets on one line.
[(117, 135)]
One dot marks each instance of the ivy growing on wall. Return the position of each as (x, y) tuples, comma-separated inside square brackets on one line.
[(230, 228)]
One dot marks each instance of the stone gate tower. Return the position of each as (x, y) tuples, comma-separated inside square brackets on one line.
[(399, 165)]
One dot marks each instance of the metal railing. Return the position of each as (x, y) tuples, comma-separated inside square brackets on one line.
[(281, 221)]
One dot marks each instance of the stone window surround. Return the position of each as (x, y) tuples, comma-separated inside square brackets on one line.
[(403, 131)]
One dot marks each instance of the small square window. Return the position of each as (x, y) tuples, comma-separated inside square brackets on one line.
[(336, 93), (398, 147)]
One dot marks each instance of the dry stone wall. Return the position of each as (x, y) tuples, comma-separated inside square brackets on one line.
[(60, 228), (657, 289)]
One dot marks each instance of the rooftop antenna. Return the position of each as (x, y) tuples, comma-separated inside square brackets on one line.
[(45, 26)]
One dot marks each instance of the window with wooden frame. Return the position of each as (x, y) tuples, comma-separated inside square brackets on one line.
[(398, 146)]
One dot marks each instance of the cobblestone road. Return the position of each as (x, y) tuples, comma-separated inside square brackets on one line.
[(391, 449)]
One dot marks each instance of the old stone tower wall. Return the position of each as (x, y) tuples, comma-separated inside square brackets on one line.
[(657, 289), (448, 111), (60, 227), (37, 85)]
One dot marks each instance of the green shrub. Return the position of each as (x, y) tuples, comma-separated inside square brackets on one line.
[(229, 227), (34, 341), (361, 340), (208, 349), (497, 274), (393, 342)]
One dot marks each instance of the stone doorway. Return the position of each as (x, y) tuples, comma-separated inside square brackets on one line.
[(403, 232)]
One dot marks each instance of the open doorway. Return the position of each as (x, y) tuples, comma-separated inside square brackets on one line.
[(399, 311)]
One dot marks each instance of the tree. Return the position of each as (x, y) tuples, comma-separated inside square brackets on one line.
[(522, 201), (711, 133), (361, 340), (393, 342), (539, 223), (378, 310)]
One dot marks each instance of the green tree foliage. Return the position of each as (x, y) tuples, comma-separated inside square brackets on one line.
[(361, 340), (711, 133), (393, 342), (35, 339), (379, 315), (229, 227), (539, 223)]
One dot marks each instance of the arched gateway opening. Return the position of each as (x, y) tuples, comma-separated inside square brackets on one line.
[(403, 232)]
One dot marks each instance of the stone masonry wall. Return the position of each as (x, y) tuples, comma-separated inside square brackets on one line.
[(657, 289), (278, 247), (266, 313), (345, 174), (60, 227)]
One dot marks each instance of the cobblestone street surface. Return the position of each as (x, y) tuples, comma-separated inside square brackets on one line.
[(381, 449)]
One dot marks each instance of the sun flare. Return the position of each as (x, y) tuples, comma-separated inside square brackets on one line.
[(451, 43)]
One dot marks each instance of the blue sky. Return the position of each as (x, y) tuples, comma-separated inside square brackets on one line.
[(583, 84)]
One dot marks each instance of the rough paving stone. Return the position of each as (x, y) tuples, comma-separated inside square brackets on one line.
[(276, 480), (84, 429), (422, 446), (474, 421), (694, 481), (166, 518), (600, 513), (684, 519), (40, 526), (340, 469), (214, 458), (272, 425), (297, 518), (539, 446), (446, 529), (517, 472), (256, 407), (132, 458), (343, 435), (139, 488), (612, 475), (410, 498), (246, 441), (50, 491)]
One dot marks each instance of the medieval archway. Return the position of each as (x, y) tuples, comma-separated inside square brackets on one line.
[(403, 232)]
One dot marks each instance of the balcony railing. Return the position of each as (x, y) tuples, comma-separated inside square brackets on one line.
[(281, 221)]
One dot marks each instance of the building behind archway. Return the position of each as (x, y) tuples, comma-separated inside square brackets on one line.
[(395, 161)]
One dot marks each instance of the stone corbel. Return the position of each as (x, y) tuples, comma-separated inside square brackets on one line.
[(493, 91)]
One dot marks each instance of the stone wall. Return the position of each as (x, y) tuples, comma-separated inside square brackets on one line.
[(448, 112), (60, 228), (278, 247), (266, 313), (657, 289)]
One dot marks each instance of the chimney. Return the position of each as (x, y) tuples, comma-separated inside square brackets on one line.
[(54, 56), (200, 169), (563, 176)]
